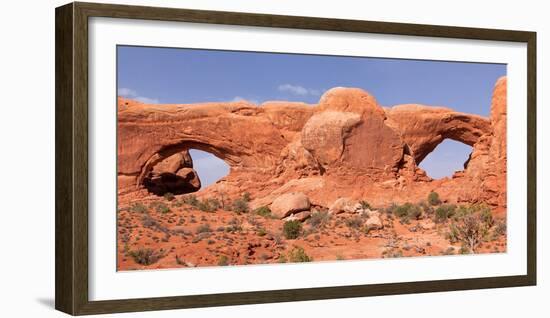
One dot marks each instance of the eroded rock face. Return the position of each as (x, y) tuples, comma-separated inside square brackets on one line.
[(346, 146), (324, 135)]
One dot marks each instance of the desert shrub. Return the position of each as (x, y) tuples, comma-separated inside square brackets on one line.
[(449, 251), (191, 200), (145, 256), (407, 212), (392, 253), (453, 236), (444, 212), (177, 203), (500, 227), (138, 208), (487, 217), (298, 255), (223, 260), (261, 232), (390, 210), (148, 221), (160, 207), (426, 208), (208, 205), (282, 259), (463, 250), (319, 219), (433, 198), (365, 205), (240, 205), (470, 230), (354, 222), (204, 228), (246, 197), (263, 211), (169, 196), (292, 229), (234, 226)]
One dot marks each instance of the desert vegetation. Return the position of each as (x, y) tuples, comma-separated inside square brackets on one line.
[(197, 231)]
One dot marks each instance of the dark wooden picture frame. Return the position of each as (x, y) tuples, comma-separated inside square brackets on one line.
[(71, 124)]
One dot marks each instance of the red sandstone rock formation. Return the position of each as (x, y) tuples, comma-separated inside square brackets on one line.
[(346, 146)]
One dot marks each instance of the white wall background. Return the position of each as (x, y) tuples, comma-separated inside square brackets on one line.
[(27, 158)]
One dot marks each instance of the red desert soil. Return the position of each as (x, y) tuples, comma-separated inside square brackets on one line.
[(297, 160), (188, 237)]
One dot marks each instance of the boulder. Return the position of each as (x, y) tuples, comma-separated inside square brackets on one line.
[(300, 216), (346, 205), (288, 204), (185, 180), (374, 222), (173, 163)]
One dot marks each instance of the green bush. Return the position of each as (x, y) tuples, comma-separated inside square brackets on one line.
[(433, 198), (208, 205), (453, 235), (407, 212), (282, 259), (426, 208), (138, 208), (319, 219), (444, 212), (145, 256), (191, 200), (355, 222), (240, 206), (159, 207), (223, 260), (487, 217), (169, 196), (263, 211), (298, 255), (292, 229)]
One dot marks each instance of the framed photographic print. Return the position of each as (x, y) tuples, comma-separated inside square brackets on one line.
[(219, 158)]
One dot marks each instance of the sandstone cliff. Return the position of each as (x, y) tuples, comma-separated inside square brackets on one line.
[(345, 146)]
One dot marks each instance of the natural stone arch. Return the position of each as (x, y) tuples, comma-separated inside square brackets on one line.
[(247, 137), (177, 168), (263, 145), (423, 128)]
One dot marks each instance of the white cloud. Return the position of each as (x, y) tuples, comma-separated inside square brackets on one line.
[(130, 93), (298, 90)]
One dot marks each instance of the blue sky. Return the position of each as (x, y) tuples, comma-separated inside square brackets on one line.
[(166, 75)]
